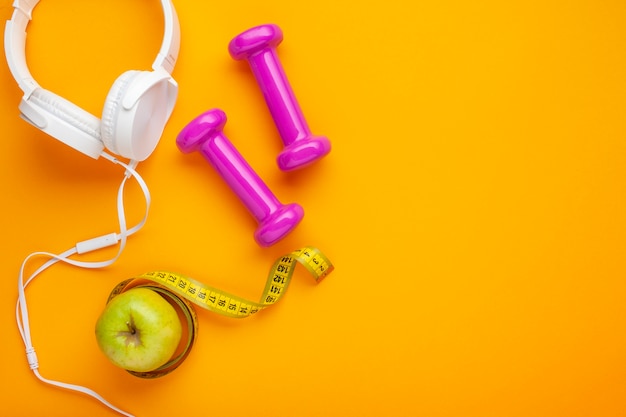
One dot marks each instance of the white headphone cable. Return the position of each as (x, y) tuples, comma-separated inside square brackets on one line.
[(100, 242)]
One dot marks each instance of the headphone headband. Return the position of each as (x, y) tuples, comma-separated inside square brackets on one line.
[(15, 43)]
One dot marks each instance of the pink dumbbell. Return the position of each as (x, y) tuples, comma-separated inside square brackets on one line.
[(204, 133), (258, 47)]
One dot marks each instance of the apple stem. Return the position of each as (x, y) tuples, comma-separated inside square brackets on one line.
[(131, 327)]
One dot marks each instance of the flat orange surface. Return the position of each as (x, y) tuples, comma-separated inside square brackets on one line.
[(474, 206)]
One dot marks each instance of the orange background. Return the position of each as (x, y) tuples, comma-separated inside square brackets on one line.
[(473, 204)]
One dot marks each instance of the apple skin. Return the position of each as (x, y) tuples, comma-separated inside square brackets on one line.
[(138, 330)]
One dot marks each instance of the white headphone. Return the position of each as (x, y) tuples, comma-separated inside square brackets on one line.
[(136, 109), (135, 112)]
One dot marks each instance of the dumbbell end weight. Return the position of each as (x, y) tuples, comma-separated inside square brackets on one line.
[(303, 152), (255, 40), (278, 224)]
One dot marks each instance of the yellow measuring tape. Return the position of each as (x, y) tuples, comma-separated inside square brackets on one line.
[(185, 292)]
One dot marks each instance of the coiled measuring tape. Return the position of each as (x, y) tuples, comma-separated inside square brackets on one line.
[(185, 292)]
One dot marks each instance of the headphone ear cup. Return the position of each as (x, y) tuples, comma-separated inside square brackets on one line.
[(111, 110), (136, 111)]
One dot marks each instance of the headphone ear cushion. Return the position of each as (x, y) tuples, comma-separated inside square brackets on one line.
[(66, 111), (111, 109)]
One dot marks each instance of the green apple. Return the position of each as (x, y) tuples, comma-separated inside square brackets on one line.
[(139, 330)]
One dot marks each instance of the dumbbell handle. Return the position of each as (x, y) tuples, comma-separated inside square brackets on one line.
[(279, 96), (240, 177)]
